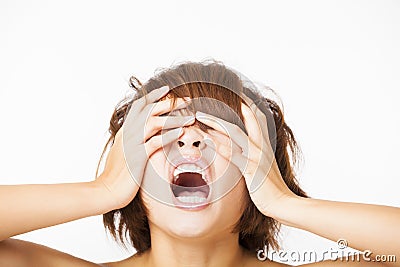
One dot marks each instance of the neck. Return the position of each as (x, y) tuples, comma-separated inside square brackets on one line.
[(167, 250)]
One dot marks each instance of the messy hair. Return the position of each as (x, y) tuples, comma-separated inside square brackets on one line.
[(208, 79)]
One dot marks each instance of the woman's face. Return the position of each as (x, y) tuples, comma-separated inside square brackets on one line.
[(192, 191)]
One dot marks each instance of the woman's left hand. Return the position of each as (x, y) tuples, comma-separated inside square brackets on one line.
[(253, 155)]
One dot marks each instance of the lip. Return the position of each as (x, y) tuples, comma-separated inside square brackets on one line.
[(207, 171), (190, 206)]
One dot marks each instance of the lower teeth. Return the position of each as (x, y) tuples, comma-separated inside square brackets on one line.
[(191, 199)]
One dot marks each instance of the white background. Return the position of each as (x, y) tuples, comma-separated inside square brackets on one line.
[(335, 64)]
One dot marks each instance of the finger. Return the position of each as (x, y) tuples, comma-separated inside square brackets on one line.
[(235, 134), (260, 114), (166, 123), (262, 118), (151, 97), (157, 142), (248, 164), (155, 124), (165, 106), (232, 154), (257, 154), (252, 125), (261, 123), (223, 140), (247, 100), (229, 147), (255, 122), (231, 130)]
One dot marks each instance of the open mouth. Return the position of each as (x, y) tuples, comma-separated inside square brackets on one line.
[(190, 185)]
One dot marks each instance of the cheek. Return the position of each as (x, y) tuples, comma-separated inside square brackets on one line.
[(225, 164), (157, 156), (157, 163), (236, 200), (225, 168), (227, 178)]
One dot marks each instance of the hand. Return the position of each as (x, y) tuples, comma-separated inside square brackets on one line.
[(122, 180), (253, 155)]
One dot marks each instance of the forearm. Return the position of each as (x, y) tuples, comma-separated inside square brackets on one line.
[(364, 226), (24, 208)]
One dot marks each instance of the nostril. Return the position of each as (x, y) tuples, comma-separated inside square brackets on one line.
[(181, 144), (196, 144)]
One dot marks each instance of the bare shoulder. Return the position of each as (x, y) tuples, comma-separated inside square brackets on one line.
[(266, 263), (326, 263), (345, 263), (140, 260), (251, 260), (25, 253), (133, 261)]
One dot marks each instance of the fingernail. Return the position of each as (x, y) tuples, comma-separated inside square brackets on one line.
[(179, 131), (200, 114), (165, 88), (190, 120)]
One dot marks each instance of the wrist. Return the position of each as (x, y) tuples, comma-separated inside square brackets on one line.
[(102, 198), (115, 191), (289, 206)]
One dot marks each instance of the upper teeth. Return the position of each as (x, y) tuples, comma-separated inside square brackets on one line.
[(188, 167)]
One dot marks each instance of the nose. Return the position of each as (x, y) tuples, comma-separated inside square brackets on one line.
[(191, 142)]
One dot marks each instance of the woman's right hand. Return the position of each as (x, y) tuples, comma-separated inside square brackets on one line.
[(144, 121)]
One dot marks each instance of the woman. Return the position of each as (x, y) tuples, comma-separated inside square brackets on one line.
[(199, 173)]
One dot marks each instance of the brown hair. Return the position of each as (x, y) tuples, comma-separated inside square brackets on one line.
[(206, 79)]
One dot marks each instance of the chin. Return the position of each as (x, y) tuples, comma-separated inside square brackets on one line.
[(189, 227), (219, 217), (182, 222)]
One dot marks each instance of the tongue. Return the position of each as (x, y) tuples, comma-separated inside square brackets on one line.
[(190, 179), (190, 184)]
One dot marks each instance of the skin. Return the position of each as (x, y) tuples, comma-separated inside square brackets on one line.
[(206, 240)]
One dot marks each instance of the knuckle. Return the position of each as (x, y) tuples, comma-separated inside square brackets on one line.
[(237, 129), (160, 122), (154, 123), (152, 143), (139, 102), (224, 150), (148, 109)]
